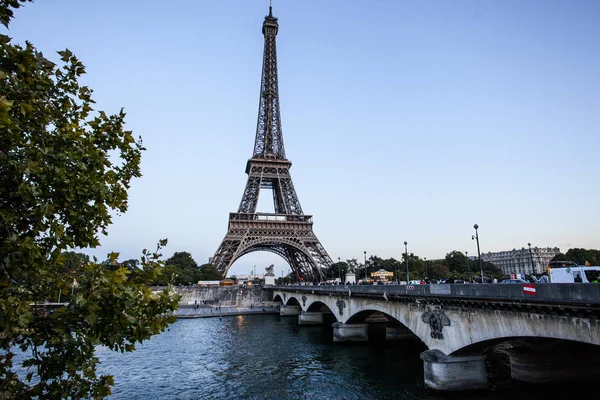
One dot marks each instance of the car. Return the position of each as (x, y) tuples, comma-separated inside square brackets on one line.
[(514, 281)]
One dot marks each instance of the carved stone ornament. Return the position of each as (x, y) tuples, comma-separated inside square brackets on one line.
[(303, 301), (284, 296), (436, 319), (341, 305)]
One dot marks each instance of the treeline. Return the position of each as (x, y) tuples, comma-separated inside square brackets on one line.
[(179, 269), (455, 265), (580, 256)]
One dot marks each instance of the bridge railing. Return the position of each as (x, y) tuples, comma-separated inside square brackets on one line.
[(561, 293)]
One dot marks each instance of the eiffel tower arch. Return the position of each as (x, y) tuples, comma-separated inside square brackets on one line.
[(288, 231)]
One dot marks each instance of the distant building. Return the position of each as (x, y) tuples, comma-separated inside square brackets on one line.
[(245, 278), (518, 261)]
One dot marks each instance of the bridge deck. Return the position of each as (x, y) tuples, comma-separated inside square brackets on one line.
[(581, 294)]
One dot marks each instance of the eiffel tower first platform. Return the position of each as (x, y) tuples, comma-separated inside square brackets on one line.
[(287, 232)]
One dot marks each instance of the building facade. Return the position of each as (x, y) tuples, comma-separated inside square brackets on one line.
[(524, 261)]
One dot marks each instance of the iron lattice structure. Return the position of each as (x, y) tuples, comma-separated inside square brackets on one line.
[(286, 232)]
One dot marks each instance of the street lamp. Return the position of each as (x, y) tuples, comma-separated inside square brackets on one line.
[(476, 237), (531, 256), (339, 270), (425, 258), (406, 253), (366, 269)]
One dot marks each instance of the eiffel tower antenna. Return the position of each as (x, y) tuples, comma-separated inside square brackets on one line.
[(286, 232)]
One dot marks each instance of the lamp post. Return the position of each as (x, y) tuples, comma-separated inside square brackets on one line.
[(425, 259), (406, 253), (476, 237), (339, 270), (468, 266), (531, 257), (366, 269)]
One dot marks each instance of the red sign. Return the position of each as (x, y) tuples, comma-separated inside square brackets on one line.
[(529, 289)]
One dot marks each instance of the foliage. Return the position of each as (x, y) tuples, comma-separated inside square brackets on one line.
[(209, 272), (391, 265), (437, 271), (131, 264), (6, 12), (336, 270), (580, 256), (374, 263), (183, 260), (73, 261), (454, 265), (64, 173), (183, 268), (458, 261)]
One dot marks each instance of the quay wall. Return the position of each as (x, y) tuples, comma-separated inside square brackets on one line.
[(227, 296)]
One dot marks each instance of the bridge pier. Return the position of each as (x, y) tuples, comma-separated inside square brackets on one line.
[(310, 318), (451, 373), (554, 364), (286, 311), (350, 332), (398, 332)]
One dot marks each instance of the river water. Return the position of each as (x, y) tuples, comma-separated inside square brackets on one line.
[(271, 357)]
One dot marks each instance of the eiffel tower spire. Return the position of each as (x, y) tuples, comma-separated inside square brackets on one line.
[(269, 138), (287, 232)]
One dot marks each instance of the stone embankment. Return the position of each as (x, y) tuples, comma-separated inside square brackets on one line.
[(219, 311), (217, 301)]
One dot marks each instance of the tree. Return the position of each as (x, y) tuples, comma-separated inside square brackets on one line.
[(437, 271), (209, 272), (375, 263), (131, 264), (73, 261), (187, 269), (458, 262), (416, 266), (182, 259), (580, 256), (336, 270), (64, 173)]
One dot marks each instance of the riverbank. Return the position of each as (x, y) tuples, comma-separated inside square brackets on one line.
[(212, 312)]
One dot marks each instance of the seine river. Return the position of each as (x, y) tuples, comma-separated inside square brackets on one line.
[(271, 357)]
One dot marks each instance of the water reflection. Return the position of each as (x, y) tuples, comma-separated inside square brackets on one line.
[(270, 357)]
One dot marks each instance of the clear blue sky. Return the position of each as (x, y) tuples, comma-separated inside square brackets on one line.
[(404, 120)]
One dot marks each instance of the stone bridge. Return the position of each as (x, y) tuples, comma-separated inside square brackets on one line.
[(553, 329)]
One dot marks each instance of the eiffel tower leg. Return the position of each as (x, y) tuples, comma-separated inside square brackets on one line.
[(223, 257)]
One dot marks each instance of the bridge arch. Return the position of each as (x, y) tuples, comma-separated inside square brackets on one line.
[(278, 298), (319, 306), (292, 301), (368, 314)]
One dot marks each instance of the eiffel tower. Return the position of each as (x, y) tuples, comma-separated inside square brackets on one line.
[(287, 232)]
